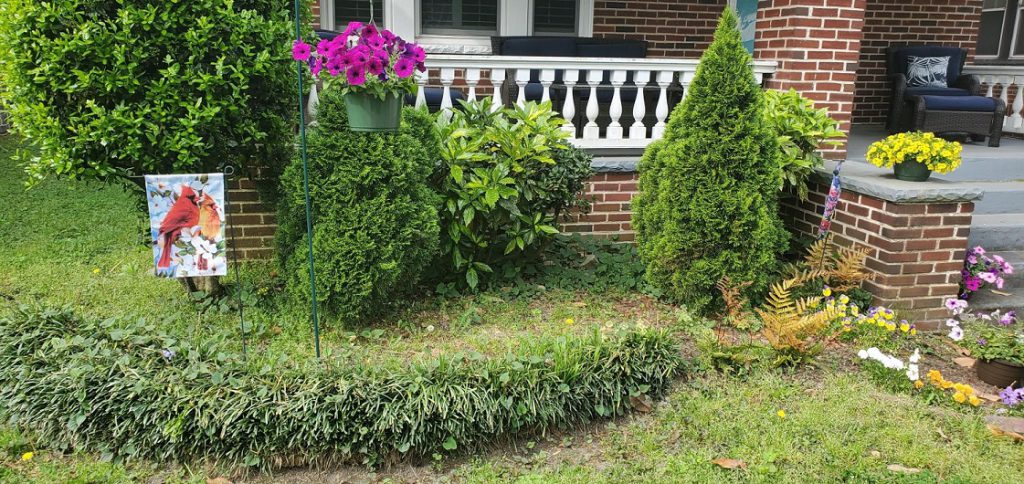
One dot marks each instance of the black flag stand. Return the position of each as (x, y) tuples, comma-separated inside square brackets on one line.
[(229, 172)]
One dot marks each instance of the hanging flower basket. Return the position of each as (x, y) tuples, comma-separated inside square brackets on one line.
[(374, 70), (368, 113), (914, 156)]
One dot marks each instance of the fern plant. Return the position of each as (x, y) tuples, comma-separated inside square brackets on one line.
[(843, 268), (792, 323)]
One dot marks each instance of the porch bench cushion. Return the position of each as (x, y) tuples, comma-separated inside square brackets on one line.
[(935, 91), (959, 103)]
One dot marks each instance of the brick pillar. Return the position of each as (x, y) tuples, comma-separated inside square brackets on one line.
[(255, 222), (817, 46), (916, 247)]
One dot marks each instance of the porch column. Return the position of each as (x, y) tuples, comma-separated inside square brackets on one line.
[(817, 46)]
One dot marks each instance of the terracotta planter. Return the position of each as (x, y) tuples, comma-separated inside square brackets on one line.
[(914, 171), (368, 113), (1000, 373)]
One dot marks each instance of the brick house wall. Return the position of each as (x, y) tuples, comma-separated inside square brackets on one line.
[(902, 22), (817, 45), (672, 28), (610, 214)]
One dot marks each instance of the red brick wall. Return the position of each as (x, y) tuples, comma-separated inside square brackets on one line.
[(916, 249), (903, 22), (316, 14), (672, 28), (254, 222), (817, 45), (610, 195)]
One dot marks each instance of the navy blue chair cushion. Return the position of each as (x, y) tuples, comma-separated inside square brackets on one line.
[(625, 48), (959, 103), (539, 46), (955, 55), (935, 91), (433, 97)]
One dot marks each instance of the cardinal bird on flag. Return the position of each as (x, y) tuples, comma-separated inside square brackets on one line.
[(183, 215), (209, 218)]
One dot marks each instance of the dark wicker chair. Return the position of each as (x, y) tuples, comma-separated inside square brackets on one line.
[(901, 114), (975, 115)]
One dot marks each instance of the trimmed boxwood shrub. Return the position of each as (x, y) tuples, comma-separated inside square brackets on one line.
[(107, 89), (375, 218), (708, 198), (128, 390)]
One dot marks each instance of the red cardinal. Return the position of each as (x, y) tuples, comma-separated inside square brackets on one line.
[(183, 215)]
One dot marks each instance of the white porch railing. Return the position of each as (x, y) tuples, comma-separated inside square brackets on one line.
[(1010, 81), (575, 79)]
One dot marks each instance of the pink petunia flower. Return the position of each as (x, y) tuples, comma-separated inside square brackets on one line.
[(317, 66), (979, 250), (323, 47), (359, 55), (352, 28), (301, 51), (971, 259), (375, 66), (356, 75), (335, 66), (370, 31), (376, 42), (972, 283), (404, 67), (988, 277)]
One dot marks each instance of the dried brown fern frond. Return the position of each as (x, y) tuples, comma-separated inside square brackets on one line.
[(735, 302), (848, 268), (790, 324)]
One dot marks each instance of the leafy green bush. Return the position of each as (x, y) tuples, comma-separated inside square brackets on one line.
[(707, 205), (505, 176), (128, 390), (375, 219), (801, 131), (109, 89)]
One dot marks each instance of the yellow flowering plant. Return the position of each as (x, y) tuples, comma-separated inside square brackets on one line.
[(937, 154)]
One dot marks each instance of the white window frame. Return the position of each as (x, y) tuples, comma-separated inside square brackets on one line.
[(515, 17), (1017, 33), (1002, 28)]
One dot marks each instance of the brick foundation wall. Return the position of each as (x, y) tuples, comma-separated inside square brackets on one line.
[(610, 214), (255, 223), (916, 249), (907, 22), (817, 45), (672, 28)]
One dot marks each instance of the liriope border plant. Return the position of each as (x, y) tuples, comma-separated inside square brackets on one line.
[(127, 390)]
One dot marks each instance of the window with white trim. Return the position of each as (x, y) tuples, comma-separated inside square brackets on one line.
[(459, 16), (346, 11), (1000, 32), (555, 17)]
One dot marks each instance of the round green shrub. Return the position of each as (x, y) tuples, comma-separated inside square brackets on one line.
[(375, 220), (108, 89), (707, 205)]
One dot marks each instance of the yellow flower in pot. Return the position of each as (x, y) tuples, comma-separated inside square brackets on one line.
[(914, 156)]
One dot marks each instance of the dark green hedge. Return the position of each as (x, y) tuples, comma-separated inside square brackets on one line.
[(375, 223), (110, 387)]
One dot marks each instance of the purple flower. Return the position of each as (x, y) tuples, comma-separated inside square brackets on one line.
[(404, 67), (972, 259), (317, 66), (376, 42), (982, 341), (167, 353), (972, 283), (1008, 318), (351, 29), (323, 47), (358, 56), (1011, 396), (301, 51), (370, 31), (375, 66), (987, 277), (416, 52), (979, 250), (335, 65), (356, 75)]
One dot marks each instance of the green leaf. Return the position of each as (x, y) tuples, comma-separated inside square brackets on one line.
[(449, 444), (471, 278)]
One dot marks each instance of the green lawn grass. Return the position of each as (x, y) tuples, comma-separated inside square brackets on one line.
[(84, 244)]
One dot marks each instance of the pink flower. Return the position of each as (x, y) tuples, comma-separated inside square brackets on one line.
[(359, 55), (375, 66), (1008, 318), (404, 67), (376, 42), (971, 259), (1000, 282), (301, 51), (356, 75), (988, 277), (972, 283), (370, 31), (323, 47), (979, 250), (335, 65), (351, 29), (416, 52), (1007, 268), (317, 66)]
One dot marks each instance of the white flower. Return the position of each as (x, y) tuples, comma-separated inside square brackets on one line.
[(913, 373), (952, 323), (956, 334), (914, 358), (862, 354)]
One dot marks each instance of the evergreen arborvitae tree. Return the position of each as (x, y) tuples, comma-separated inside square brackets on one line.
[(708, 203)]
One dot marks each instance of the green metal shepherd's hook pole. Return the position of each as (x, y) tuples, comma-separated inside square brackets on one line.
[(305, 185)]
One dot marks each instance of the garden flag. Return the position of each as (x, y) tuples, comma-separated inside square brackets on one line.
[(185, 219), (831, 201)]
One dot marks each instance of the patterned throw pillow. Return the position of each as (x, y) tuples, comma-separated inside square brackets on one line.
[(927, 71)]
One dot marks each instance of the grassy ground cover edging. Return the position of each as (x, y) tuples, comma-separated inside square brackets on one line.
[(116, 388)]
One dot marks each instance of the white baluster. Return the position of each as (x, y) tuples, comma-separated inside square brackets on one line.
[(312, 104), (497, 81), (591, 130), (447, 78), (547, 76), (664, 79), (1016, 120), (472, 79), (569, 108), (685, 78), (991, 84), (421, 84), (618, 78), (522, 77), (638, 130)]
